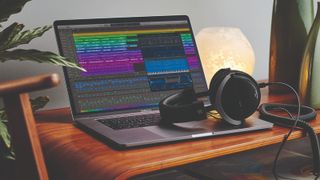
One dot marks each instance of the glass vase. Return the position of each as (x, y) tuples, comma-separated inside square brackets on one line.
[(291, 22), (309, 82)]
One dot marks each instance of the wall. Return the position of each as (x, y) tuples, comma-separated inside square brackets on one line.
[(253, 17)]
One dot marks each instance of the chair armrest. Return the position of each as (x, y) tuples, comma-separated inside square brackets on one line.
[(30, 163), (28, 84)]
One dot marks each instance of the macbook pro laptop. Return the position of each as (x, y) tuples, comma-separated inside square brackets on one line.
[(133, 63)]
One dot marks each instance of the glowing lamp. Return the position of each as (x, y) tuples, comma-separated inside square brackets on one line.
[(224, 47)]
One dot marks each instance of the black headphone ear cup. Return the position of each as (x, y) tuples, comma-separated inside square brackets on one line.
[(241, 96), (215, 83), (182, 107), (187, 96)]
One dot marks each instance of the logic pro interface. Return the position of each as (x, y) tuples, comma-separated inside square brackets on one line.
[(131, 65)]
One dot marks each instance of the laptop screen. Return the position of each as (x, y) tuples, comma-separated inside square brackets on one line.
[(131, 63)]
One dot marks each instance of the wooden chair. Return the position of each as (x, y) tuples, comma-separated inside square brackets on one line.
[(29, 161)]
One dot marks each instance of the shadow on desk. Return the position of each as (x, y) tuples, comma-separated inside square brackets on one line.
[(295, 162)]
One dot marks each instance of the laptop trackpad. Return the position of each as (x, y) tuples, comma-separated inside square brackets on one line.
[(182, 129)]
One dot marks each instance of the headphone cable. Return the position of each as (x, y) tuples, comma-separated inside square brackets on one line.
[(285, 139), (308, 129), (262, 85)]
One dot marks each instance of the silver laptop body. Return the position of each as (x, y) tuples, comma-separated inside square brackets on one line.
[(133, 63)]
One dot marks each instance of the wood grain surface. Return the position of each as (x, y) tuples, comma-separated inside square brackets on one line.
[(73, 154), (30, 163), (29, 84)]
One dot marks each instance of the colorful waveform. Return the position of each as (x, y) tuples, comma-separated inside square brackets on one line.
[(107, 54)]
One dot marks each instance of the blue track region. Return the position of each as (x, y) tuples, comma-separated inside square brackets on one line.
[(108, 84), (162, 82), (167, 65)]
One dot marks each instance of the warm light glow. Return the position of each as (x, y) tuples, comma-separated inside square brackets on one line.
[(224, 47)]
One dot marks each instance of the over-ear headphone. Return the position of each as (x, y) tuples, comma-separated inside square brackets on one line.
[(235, 95)]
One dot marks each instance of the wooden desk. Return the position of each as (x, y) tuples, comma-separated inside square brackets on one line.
[(73, 154)]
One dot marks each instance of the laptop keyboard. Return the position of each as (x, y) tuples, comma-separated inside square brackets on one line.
[(132, 121)]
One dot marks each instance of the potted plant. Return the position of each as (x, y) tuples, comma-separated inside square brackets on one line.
[(10, 38)]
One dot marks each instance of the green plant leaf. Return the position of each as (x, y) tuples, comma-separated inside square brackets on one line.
[(37, 56), (10, 155), (9, 33), (19, 38), (5, 139), (9, 7), (5, 152), (4, 135), (3, 115), (39, 102)]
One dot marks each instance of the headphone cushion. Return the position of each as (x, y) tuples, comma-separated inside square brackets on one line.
[(181, 107)]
